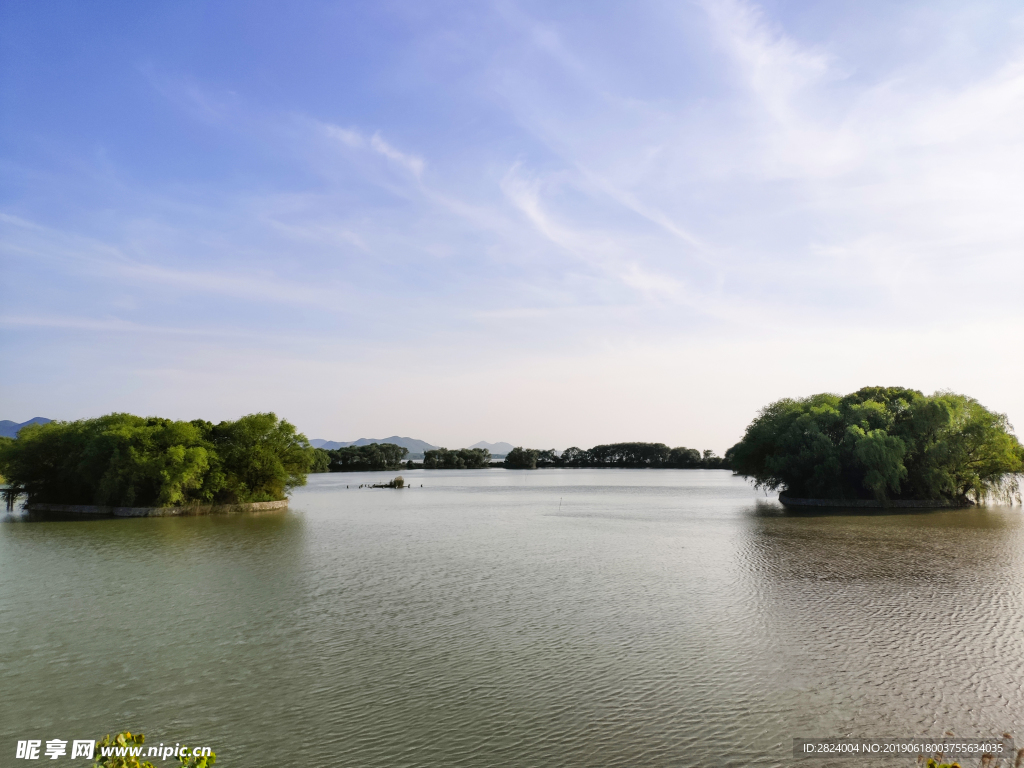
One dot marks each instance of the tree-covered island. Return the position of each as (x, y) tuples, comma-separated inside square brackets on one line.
[(386, 456), (121, 460), (616, 455), (365, 458), (882, 444), (463, 458)]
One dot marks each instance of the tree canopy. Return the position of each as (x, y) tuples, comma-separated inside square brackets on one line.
[(521, 458), (372, 457), (3, 442), (321, 461), (126, 460), (627, 455), (882, 443), (464, 458)]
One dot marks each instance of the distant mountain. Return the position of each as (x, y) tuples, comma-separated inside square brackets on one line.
[(10, 428), (327, 445), (496, 449), (414, 446)]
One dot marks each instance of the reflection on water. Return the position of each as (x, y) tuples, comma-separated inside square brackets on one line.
[(921, 615), (558, 617)]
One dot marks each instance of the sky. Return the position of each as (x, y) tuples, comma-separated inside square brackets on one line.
[(547, 223)]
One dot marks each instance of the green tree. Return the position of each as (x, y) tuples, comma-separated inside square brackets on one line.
[(548, 458), (630, 455), (521, 458), (684, 458), (464, 458), (3, 442), (576, 457), (367, 458), (442, 458), (119, 459), (881, 443), (126, 460), (321, 461), (261, 457)]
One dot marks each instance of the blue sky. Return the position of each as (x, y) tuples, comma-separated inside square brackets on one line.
[(546, 223)]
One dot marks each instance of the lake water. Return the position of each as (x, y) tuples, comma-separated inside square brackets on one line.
[(501, 618)]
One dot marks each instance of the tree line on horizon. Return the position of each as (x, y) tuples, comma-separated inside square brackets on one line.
[(624, 455), (387, 456), (359, 458), (462, 458), (877, 443)]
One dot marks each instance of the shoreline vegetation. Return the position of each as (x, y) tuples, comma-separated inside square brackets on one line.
[(149, 466), (616, 455), (886, 445), (380, 457), (122, 461), (879, 446)]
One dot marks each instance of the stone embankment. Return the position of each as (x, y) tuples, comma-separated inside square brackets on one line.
[(194, 509)]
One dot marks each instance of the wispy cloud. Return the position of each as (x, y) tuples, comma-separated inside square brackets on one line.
[(529, 188), (413, 163), (611, 253), (88, 256), (347, 136), (777, 69), (114, 325), (355, 139)]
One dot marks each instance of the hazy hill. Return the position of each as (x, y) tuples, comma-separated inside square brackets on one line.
[(414, 446), (10, 428), (496, 449)]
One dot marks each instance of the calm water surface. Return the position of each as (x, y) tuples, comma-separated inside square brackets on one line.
[(497, 618)]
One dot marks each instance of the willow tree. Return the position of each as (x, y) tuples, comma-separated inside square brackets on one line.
[(126, 460), (882, 443), (521, 458), (372, 457), (463, 458)]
